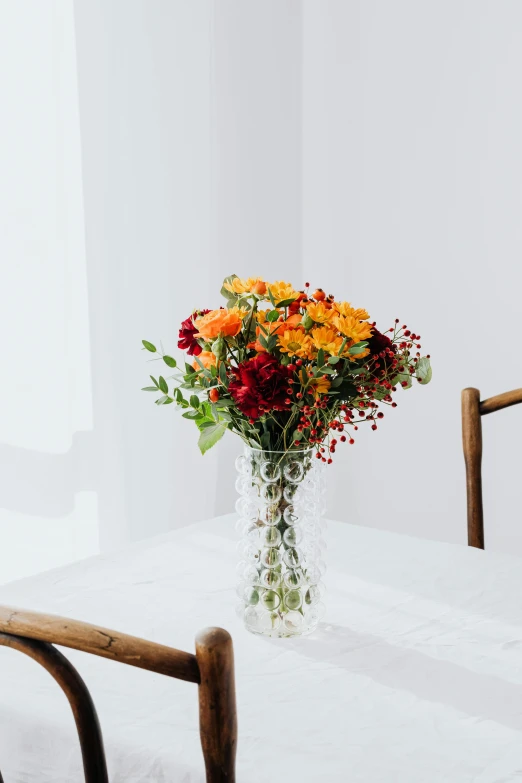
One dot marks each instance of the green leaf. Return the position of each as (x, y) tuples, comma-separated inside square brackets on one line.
[(194, 401), (149, 346), (265, 441), (203, 425), (423, 370), (271, 297), (162, 400), (271, 343), (203, 368), (263, 342), (229, 296), (333, 359), (403, 377), (297, 435), (272, 316), (326, 370), (153, 379), (163, 385), (357, 348), (169, 361), (150, 388), (223, 373), (178, 395), (320, 357), (341, 349), (192, 415), (210, 436), (286, 302)]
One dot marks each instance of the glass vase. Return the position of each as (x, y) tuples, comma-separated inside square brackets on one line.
[(281, 547)]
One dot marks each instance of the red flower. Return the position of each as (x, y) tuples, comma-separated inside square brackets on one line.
[(261, 385), (186, 334), (380, 346), (378, 342)]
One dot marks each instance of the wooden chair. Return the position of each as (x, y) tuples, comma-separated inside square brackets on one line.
[(472, 410), (212, 668)]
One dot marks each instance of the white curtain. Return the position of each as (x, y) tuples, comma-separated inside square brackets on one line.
[(148, 150), (48, 495)]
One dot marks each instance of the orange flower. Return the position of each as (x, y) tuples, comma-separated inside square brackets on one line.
[(292, 322), (319, 385), (345, 308), (218, 322), (207, 359), (326, 338), (276, 327), (319, 312), (353, 328), (295, 342)]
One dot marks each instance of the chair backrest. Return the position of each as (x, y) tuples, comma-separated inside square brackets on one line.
[(472, 411), (211, 668)]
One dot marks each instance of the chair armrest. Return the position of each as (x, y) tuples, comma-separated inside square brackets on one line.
[(100, 641)]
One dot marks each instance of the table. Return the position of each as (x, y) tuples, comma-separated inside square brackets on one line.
[(415, 674)]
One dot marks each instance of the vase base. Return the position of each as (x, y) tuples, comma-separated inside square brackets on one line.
[(281, 632)]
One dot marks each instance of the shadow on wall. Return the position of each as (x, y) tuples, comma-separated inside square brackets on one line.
[(45, 485)]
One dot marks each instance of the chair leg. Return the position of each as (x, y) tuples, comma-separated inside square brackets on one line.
[(472, 444), (217, 704)]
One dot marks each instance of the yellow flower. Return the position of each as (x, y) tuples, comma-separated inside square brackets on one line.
[(251, 285), (319, 385), (295, 342), (319, 312), (353, 328), (281, 290), (240, 311), (261, 316), (326, 338), (345, 308)]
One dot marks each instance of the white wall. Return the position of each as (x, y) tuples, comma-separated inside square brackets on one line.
[(411, 207), (370, 147), (257, 159)]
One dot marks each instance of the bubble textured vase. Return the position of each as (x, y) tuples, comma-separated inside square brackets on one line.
[(281, 548)]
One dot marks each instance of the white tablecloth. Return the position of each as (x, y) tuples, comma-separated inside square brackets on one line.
[(415, 674)]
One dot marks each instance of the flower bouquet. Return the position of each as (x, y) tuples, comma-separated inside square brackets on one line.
[(294, 374)]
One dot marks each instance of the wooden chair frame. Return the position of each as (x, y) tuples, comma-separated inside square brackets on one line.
[(211, 668), (472, 410)]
